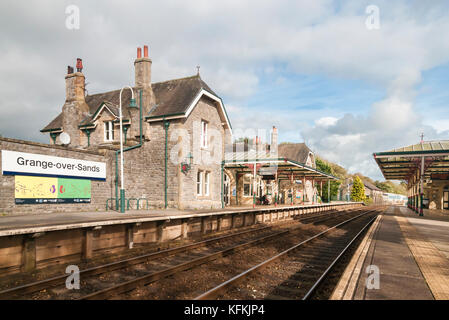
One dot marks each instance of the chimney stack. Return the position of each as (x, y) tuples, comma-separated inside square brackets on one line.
[(142, 67), (75, 107), (75, 83), (274, 141)]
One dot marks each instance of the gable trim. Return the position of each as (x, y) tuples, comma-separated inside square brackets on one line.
[(100, 109), (192, 105), (213, 97)]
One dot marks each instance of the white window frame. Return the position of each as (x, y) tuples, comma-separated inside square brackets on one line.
[(247, 180), (204, 142), (206, 183), (108, 131), (199, 183)]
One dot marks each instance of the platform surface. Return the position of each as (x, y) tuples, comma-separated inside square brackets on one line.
[(411, 254), (43, 222)]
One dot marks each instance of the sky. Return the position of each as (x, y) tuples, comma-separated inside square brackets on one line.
[(325, 72)]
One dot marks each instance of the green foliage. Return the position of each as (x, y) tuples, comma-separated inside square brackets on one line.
[(357, 190), (334, 185), (391, 187)]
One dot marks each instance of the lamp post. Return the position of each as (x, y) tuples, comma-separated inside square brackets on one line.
[(122, 178)]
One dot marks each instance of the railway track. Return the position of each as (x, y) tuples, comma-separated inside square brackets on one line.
[(296, 272), (118, 277)]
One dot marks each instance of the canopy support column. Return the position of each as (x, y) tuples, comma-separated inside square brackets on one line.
[(304, 189), (421, 209), (254, 185), (321, 190)]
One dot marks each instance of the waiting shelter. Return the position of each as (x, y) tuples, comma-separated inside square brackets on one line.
[(262, 175), (425, 168)]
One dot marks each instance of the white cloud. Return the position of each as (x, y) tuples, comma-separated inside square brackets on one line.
[(326, 121)]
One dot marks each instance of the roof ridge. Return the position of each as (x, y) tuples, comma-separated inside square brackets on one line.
[(178, 79), (95, 94), (160, 82)]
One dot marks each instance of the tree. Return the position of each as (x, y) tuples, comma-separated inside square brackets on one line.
[(391, 187), (334, 185), (358, 190)]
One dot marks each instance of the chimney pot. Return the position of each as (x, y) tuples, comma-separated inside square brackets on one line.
[(79, 65), (142, 67)]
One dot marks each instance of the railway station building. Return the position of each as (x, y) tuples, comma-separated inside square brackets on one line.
[(178, 153), (424, 166)]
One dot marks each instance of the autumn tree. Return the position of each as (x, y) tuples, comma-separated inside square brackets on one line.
[(358, 190)]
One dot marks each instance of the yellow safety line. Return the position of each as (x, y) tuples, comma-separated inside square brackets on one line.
[(433, 264)]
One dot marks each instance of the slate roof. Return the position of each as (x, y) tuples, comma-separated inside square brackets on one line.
[(370, 186), (172, 97), (437, 145), (295, 151), (402, 163), (175, 96)]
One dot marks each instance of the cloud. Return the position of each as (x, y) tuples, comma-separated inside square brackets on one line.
[(237, 44), (326, 121)]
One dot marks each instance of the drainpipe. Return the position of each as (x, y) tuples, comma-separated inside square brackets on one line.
[(53, 137), (166, 125), (88, 137), (222, 192), (127, 149)]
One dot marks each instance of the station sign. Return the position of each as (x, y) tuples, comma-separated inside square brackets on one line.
[(30, 164), (47, 190)]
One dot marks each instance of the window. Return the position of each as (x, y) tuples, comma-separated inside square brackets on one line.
[(203, 134), (109, 131), (206, 183), (247, 186), (199, 182)]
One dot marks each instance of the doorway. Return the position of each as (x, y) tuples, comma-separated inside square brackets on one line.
[(446, 198), (226, 190)]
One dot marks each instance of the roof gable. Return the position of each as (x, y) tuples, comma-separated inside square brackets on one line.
[(175, 97), (295, 151)]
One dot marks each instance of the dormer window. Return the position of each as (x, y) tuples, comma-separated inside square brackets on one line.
[(109, 131), (203, 134)]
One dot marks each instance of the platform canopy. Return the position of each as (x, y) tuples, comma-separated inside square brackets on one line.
[(270, 165), (429, 157)]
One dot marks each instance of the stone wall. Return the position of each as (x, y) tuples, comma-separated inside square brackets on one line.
[(204, 159), (435, 192)]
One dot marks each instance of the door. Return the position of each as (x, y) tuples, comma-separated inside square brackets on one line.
[(446, 199), (226, 189)]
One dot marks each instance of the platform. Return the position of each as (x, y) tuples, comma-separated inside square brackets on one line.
[(44, 222), (29, 242), (411, 254)]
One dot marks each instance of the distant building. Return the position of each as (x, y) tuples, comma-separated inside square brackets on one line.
[(394, 199), (371, 191)]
